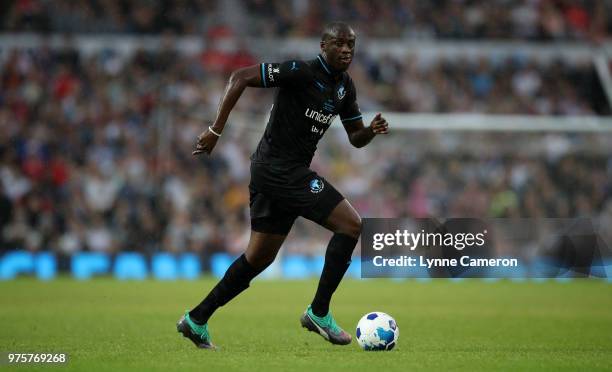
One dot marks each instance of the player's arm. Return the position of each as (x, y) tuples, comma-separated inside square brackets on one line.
[(360, 135), (263, 75), (238, 81)]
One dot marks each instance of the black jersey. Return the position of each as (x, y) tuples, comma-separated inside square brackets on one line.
[(309, 96)]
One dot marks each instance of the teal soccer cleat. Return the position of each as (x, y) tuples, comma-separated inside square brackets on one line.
[(198, 334), (325, 326)]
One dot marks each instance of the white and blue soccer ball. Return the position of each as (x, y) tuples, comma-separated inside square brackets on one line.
[(377, 331)]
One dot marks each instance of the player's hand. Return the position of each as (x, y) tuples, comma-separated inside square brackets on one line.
[(379, 125), (206, 143)]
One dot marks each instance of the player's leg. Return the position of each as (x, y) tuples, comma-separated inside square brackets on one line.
[(345, 223), (260, 253)]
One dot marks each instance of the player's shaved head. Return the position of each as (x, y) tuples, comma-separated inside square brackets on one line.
[(338, 45), (335, 29)]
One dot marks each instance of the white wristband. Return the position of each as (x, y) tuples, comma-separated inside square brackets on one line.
[(213, 132)]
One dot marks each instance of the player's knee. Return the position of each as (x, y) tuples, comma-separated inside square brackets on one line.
[(260, 261), (352, 227), (358, 226)]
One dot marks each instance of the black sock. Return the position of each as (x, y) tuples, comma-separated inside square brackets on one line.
[(236, 279), (337, 261)]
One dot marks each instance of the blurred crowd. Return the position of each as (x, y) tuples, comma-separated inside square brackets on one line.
[(95, 152), (108, 16), (506, 86), (445, 19), (481, 175)]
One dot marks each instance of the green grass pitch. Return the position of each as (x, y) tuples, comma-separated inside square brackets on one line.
[(109, 325)]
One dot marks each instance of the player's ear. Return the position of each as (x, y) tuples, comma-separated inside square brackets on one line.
[(322, 44)]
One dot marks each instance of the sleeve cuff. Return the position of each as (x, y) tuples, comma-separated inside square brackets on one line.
[(263, 76), (346, 120)]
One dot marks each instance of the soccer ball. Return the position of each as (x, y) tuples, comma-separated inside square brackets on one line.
[(377, 331)]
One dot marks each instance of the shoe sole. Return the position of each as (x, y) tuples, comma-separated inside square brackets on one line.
[(311, 326), (183, 328)]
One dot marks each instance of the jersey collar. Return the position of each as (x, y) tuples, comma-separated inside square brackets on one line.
[(327, 68)]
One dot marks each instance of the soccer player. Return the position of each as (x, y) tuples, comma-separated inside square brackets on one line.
[(309, 96)]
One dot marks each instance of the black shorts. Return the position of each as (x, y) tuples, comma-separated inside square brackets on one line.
[(279, 195)]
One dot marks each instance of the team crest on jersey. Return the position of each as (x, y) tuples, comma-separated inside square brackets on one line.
[(341, 92), (316, 186)]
